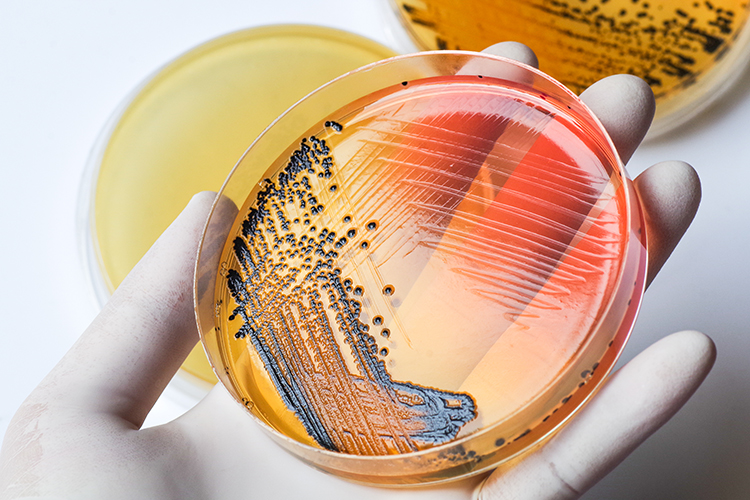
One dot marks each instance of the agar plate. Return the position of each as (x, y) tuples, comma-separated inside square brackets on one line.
[(183, 129), (688, 52), (422, 269)]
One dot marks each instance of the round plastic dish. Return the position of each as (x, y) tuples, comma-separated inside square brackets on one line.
[(182, 130), (422, 269), (689, 52)]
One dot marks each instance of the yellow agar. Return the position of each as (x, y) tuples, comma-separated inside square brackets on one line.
[(187, 127)]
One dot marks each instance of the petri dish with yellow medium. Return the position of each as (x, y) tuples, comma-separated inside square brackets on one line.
[(689, 52), (183, 130), (439, 266)]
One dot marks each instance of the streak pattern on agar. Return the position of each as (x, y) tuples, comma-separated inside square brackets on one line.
[(493, 229), (280, 297)]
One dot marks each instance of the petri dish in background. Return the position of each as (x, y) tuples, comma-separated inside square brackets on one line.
[(182, 131), (440, 264), (689, 52)]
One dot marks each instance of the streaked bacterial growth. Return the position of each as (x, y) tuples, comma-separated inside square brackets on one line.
[(421, 265), (287, 281)]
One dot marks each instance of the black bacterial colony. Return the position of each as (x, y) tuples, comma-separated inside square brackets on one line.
[(279, 291)]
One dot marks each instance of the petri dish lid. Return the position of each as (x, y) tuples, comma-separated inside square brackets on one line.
[(182, 130), (689, 52), (422, 269)]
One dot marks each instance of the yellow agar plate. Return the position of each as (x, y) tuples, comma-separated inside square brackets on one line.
[(188, 125)]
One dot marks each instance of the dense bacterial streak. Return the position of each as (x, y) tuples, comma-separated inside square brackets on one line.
[(285, 285)]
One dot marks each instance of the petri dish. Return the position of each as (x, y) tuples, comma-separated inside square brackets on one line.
[(423, 269), (184, 128), (689, 52)]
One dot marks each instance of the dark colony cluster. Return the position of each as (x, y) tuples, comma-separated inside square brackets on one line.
[(294, 302)]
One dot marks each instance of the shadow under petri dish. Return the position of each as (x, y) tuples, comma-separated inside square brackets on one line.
[(687, 51), (442, 263), (186, 127)]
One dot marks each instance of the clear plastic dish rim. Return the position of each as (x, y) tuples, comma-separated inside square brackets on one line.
[(204, 280)]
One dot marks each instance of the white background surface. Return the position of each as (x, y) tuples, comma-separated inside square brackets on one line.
[(65, 66)]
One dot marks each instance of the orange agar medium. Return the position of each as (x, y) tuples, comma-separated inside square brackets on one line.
[(435, 272), (687, 51)]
